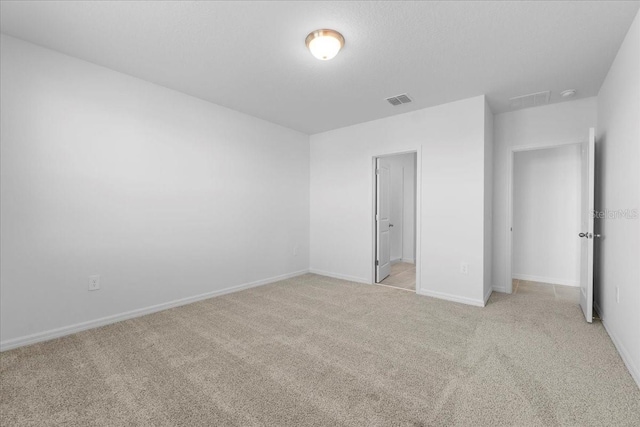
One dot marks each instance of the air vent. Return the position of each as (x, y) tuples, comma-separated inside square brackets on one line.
[(530, 100), (399, 99), (394, 101)]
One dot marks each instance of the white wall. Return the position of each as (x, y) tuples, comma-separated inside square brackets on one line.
[(451, 193), (546, 215), (163, 195), (618, 187), (402, 210), (549, 125), (488, 202), (409, 211)]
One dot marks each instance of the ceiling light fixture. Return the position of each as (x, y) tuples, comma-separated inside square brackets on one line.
[(324, 44), (568, 93)]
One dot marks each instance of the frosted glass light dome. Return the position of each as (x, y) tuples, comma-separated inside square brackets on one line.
[(325, 44)]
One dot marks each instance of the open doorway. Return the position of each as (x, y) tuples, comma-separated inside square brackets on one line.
[(584, 232), (395, 220), (546, 222)]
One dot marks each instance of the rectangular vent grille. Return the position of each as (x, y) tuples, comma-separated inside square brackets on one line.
[(530, 100), (399, 99)]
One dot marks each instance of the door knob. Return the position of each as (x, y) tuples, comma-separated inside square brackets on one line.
[(588, 235), (390, 225)]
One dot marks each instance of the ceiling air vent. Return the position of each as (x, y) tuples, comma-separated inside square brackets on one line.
[(399, 99), (530, 100)]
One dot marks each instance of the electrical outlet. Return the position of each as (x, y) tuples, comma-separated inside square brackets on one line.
[(618, 295), (464, 268), (94, 283)]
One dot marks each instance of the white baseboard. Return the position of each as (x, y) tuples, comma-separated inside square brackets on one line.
[(91, 324), (406, 260), (450, 297), (340, 276), (487, 296), (552, 280), (622, 351), (500, 289)]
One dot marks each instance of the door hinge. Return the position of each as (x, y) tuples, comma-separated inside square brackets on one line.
[(377, 263), (377, 171)]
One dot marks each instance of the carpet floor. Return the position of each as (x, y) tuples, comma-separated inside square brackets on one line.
[(319, 351)]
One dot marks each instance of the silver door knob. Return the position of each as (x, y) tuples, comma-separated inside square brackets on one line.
[(588, 235), (390, 225)]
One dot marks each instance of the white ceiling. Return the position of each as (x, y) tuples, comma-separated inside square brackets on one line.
[(251, 56)]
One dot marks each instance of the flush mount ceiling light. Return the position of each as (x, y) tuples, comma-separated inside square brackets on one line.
[(568, 93), (324, 44)]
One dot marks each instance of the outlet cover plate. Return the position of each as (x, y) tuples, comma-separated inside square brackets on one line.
[(94, 283)]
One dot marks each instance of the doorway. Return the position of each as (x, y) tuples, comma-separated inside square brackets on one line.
[(550, 236), (546, 219), (395, 220)]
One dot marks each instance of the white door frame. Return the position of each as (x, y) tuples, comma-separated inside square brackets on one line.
[(509, 239), (418, 230)]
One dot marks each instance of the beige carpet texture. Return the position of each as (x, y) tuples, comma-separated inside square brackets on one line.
[(316, 351)]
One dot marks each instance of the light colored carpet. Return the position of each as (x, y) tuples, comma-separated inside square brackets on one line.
[(319, 351)]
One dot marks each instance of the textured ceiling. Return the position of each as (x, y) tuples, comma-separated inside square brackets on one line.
[(251, 56)]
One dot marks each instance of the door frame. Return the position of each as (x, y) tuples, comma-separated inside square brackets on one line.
[(417, 150), (509, 232)]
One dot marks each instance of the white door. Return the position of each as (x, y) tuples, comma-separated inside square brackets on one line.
[(586, 226), (383, 242)]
